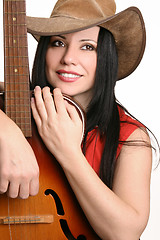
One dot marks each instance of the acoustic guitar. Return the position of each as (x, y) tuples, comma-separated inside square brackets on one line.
[(54, 213)]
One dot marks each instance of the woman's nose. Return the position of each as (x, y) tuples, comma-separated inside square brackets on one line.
[(70, 56)]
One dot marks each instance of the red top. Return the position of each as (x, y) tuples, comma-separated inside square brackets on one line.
[(95, 145)]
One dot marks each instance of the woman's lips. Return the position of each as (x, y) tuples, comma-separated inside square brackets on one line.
[(67, 76)]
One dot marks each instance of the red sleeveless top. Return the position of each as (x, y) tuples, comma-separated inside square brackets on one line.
[(95, 144)]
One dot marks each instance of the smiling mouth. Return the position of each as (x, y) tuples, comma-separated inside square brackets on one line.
[(68, 77)]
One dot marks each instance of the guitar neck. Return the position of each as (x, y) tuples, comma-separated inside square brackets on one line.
[(16, 67)]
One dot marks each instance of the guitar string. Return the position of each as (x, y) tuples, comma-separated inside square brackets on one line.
[(29, 233), (13, 86), (25, 117), (25, 66), (22, 114), (10, 232), (8, 79), (18, 6), (15, 70)]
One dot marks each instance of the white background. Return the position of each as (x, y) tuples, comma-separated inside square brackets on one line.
[(139, 93)]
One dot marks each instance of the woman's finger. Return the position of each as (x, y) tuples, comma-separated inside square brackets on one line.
[(73, 112), (35, 113), (24, 190), (59, 102), (13, 189), (34, 186), (3, 185), (39, 103), (48, 101)]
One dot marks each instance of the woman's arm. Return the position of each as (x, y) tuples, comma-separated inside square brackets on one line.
[(120, 214), (19, 171)]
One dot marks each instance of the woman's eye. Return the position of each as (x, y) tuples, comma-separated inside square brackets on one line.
[(88, 47), (57, 43)]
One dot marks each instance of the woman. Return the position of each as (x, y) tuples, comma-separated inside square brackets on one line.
[(83, 58)]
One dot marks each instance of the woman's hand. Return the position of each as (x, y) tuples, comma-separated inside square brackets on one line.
[(58, 123), (19, 171)]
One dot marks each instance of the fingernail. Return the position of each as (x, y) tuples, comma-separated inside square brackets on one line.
[(32, 100)]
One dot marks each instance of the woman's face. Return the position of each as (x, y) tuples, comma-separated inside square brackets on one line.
[(71, 62)]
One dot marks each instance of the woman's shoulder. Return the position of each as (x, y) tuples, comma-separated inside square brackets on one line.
[(130, 129), (128, 124)]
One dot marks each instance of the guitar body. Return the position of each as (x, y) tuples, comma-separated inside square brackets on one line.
[(55, 205), (53, 214)]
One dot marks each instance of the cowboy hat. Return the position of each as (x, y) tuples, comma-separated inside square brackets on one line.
[(70, 16)]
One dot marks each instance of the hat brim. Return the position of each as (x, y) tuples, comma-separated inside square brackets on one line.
[(127, 27)]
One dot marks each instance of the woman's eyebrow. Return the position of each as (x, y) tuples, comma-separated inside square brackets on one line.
[(86, 40), (60, 36), (82, 40)]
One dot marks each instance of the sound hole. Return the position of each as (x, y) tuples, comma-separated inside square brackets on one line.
[(63, 222), (60, 210), (68, 233)]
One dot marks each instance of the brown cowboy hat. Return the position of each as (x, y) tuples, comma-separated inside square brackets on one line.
[(127, 27)]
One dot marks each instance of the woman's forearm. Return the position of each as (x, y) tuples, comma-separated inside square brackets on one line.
[(109, 216), (17, 161)]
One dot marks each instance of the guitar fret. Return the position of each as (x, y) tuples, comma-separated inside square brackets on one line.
[(21, 102), (20, 98), (21, 114), (15, 36), (15, 13), (16, 57), (8, 25), (17, 83), (23, 96), (18, 95), (10, 83), (10, 91), (18, 112), (16, 47), (20, 55), (25, 120), (14, 28), (19, 105), (23, 78), (14, 0), (16, 74), (21, 120), (17, 108), (16, 104), (15, 66)]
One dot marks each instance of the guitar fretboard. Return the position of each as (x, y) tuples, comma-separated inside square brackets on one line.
[(17, 90)]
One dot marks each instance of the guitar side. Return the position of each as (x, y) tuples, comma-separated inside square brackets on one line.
[(53, 214)]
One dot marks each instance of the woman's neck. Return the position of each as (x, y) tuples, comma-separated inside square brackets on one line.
[(83, 99)]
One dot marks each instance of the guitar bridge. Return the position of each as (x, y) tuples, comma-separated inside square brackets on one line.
[(27, 219)]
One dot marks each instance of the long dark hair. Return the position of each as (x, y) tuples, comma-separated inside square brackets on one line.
[(103, 108)]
